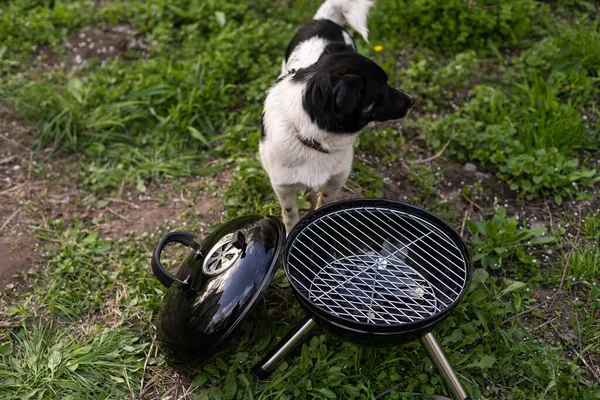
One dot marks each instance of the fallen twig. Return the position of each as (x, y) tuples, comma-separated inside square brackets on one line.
[(128, 384), (117, 214), (590, 367), (146, 365), (9, 218), (436, 155), (114, 200), (544, 324), (14, 142), (8, 159), (471, 202), (529, 311), (348, 188), (549, 215), (12, 189)]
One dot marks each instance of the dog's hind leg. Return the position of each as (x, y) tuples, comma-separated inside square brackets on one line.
[(287, 199), (331, 189)]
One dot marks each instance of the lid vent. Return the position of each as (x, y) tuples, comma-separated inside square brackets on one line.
[(222, 256)]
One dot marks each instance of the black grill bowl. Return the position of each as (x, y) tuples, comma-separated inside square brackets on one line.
[(377, 272)]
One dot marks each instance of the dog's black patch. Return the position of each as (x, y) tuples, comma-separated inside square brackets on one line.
[(345, 91), (323, 28), (263, 135)]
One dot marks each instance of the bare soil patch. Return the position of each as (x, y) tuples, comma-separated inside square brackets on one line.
[(35, 189), (143, 213), (92, 43)]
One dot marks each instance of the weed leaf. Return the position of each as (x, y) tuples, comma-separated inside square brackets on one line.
[(485, 362), (327, 393), (54, 360), (230, 387), (199, 380), (514, 286)]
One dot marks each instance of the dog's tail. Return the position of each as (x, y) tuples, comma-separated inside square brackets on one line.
[(354, 12)]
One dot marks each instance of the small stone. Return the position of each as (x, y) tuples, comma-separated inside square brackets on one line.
[(468, 167)]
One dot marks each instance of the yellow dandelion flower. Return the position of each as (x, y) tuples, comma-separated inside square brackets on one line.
[(378, 48), (572, 86)]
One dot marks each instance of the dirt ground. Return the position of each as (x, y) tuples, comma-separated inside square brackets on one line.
[(36, 188)]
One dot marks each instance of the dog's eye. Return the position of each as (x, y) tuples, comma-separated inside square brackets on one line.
[(368, 108)]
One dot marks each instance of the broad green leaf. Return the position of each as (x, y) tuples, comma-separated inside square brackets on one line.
[(558, 199), (222, 365), (327, 393), (511, 288), (500, 250), (102, 203), (485, 362), (54, 360), (352, 390), (199, 380), (6, 349), (230, 387), (543, 240), (480, 275), (538, 230), (243, 380)]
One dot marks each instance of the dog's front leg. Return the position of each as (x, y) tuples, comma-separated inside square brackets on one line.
[(331, 189), (287, 199)]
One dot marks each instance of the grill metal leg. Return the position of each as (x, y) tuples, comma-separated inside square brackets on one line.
[(268, 364), (443, 366)]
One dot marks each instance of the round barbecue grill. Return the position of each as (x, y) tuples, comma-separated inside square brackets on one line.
[(375, 272)]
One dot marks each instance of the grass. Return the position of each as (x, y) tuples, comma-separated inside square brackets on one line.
[(511, 90), (50, 362)]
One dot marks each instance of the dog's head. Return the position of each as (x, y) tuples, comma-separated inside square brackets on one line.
[(345, 91)]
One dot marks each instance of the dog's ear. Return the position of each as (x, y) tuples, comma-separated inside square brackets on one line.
[(348, 93)]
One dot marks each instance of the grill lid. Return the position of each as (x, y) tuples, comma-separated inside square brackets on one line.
[(216, 286)]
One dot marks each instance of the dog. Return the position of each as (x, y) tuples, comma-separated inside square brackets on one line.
[(326, 93)]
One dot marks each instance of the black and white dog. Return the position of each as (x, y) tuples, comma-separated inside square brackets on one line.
[(325, 95)]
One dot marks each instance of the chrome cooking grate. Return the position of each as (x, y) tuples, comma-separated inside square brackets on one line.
[(377, 266)]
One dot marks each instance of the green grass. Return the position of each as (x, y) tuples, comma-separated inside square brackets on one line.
[(585, 263), (513, 90), (51, 362), (534, 130)]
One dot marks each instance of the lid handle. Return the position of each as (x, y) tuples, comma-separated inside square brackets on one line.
[(186, 239)]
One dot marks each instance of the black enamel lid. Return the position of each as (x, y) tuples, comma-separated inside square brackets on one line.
[(216, 286)]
